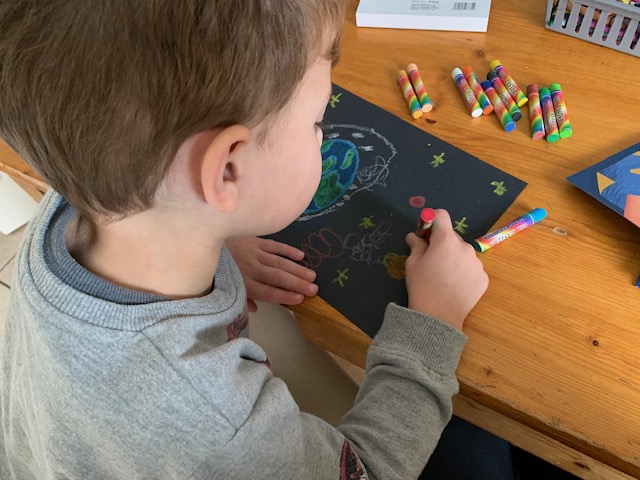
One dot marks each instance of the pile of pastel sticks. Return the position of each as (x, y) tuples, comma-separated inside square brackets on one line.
[(414, 91), (501, 94), (548, 113)]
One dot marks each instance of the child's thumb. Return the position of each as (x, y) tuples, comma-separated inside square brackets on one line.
[(416, 244)]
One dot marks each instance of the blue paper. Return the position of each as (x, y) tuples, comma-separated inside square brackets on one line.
[(615, 182)]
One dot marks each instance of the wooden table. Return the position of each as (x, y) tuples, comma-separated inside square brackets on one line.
[(553, 359), (22, 173)]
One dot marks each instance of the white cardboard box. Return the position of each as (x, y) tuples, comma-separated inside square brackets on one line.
[(469, 15), (16, 206)]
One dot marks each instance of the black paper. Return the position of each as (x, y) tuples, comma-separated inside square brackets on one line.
[(353, 233)]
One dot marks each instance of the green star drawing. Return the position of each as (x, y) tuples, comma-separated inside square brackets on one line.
[(460, 225), (500, 188), (367, 222), (342, 276), (334, 99), (437, 160)]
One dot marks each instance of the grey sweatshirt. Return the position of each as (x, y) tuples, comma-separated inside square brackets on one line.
[(112, 385)]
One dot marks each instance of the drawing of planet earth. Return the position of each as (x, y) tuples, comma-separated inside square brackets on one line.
[(340, 162)]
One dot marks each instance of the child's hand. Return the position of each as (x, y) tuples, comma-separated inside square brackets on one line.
[(445, 278), (270, 271)]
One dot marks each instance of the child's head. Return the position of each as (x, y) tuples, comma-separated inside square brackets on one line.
[(99, 96)]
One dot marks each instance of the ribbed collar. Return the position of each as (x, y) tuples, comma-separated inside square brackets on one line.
[(36, 276), (67, 269)]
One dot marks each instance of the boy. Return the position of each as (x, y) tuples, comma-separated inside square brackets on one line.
[(165, 129)]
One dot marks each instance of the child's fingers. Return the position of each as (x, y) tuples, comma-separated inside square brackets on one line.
[(442, 222), (285, 280), (282, 249), (288, 266), (252, 306), (441, 226), (268, 293), (417, 245)]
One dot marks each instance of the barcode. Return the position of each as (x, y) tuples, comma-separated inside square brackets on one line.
[(464, 5)]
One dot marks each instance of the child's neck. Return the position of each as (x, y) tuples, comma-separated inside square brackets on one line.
[(149, 252)]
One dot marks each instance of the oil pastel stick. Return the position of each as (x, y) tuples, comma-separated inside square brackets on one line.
[(483, 244), (514, 90), (425, 221), (468, 96), (560, 109), (535, 112), (409, 95), (478, 91), (549, 116), (418, 86), (498, 107), (505, 96)]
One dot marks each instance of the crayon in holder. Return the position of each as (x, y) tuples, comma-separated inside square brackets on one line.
[(609, 23)]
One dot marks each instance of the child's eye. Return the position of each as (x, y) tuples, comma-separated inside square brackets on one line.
[(319, 126)]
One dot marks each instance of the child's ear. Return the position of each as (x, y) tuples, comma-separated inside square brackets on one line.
[(222, 166)]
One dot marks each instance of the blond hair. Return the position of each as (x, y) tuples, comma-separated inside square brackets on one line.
[(98, 96)]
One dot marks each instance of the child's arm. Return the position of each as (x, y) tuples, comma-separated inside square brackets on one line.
[(405, 400), (412, 361), (399, 414), (270, 271), (445, 277)]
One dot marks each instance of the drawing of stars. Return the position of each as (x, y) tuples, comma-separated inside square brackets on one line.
[(437, 160), (500, 188), (342, 276), (334, 99), (460, 226), (367, 222)]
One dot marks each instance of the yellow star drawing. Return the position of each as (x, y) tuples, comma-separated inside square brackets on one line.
[(437, 160), (460, 225), (334, 99), (367, 222), (342, 276)]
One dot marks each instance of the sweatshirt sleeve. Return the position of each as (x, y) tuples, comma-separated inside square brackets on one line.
[(400, 411), (404, 402)]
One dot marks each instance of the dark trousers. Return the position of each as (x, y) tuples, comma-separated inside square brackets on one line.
[(466, 452)]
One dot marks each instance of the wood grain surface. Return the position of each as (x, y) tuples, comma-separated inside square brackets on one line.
[(554, 345)]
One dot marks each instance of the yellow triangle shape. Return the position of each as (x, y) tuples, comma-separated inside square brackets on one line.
[(603, 182)]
